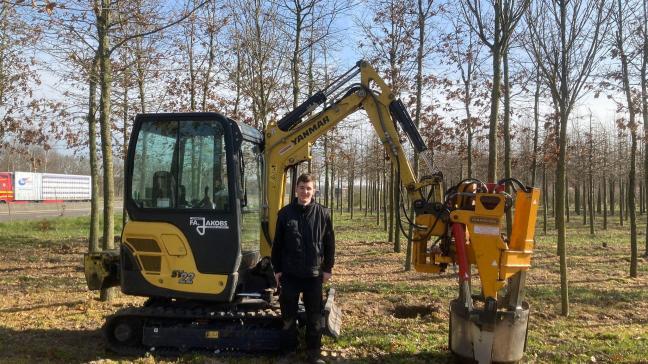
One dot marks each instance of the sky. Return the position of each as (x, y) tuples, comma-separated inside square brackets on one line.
[(347, 53)]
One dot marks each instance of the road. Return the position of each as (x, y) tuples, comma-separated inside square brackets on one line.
[(39, 211)]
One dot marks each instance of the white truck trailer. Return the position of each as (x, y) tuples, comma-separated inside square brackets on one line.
[(28, 186)]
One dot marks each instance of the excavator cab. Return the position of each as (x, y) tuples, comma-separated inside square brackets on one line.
[(193, 197), (193, 187)]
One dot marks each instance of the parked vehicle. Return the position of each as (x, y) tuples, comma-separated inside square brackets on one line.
[(43, 187)]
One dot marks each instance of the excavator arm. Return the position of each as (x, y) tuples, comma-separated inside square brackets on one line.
[(288, 142), (460, 226)]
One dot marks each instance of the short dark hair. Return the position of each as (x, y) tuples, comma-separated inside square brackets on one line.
[(305, 178)]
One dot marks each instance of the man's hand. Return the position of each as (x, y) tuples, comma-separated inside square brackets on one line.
[(326, 276), (277, 278)]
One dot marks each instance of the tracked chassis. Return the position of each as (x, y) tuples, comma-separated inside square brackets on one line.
[(251, 326)]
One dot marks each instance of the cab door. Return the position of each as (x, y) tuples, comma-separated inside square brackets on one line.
[(180, 172)]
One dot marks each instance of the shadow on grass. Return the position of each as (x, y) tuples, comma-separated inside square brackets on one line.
[(50, 345), (590, 296), (36, 307), (422, 357), (394, 358), (81, 346), (74, 267)]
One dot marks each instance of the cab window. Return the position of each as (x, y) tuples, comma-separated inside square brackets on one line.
[(251, 168), (180, 165)]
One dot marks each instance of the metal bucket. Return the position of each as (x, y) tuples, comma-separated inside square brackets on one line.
[(506, 344)]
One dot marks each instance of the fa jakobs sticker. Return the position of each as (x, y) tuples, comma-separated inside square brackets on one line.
[(203, 224)]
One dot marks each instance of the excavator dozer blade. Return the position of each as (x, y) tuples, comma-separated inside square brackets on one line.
[(332, 315), (101, 269)]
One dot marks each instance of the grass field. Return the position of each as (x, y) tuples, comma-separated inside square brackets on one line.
[(47, 315)]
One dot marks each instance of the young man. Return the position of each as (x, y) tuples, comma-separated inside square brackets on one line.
[(303, 257)]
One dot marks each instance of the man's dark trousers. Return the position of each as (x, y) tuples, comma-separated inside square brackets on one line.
[(311, 287)]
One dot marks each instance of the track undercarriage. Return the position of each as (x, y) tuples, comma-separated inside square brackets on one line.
[(171, 327)]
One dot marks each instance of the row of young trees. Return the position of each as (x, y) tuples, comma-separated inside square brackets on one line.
[(497, 87)]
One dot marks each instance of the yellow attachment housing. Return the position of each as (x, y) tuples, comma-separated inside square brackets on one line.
[(166, 259), (424, 260), (484, 240), (518, 257)]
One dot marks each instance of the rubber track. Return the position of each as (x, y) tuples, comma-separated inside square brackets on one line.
[(253, 319)]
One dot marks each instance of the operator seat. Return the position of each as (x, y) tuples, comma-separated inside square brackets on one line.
[(163, 189)]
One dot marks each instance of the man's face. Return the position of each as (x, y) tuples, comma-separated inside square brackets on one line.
[(305, 192)]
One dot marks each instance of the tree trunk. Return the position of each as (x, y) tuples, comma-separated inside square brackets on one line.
[(507, 136), (641, 199), (94, 165), (326, 172), (545, 199), (536, 119), (577, 198), (553, 199), (495, 96), (590, 186), (605, 211), (390, 186), (417, 115), (621, 201), (342, 193), (360, 189), (332, 189), (141, 75), (562, 160), (380, 185), (567, 201), (598, 200), (385, 194), (632, 126), (352, 182), (644, 108), (125, 141), (210, 64), (585, 196), (105, 80), (237, 86), (294, 62), (397, 213), (590, 199), (612, 197), (192, 71)]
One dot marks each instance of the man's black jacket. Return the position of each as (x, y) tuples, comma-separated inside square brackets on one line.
[(304, 243)]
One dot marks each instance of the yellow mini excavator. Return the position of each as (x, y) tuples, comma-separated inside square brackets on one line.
[(202, 195)]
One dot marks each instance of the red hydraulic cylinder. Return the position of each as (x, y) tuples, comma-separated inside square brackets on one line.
[(459, 234)]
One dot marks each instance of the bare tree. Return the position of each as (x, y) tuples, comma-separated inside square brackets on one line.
[(307, 23), (463, 51), (424, 11), (258, 43), (22, 115), (566, 42), (622, 19), (643, 32), (389, 46), (504, 15)]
